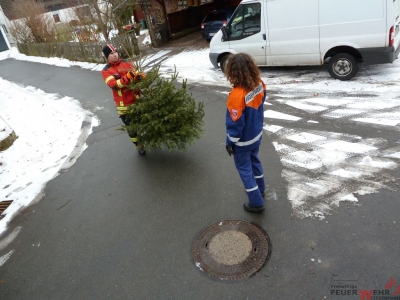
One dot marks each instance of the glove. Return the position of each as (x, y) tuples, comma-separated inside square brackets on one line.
[(229, 149), (140, 76), (131, 75)]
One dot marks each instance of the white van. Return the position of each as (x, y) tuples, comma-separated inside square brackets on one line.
[(340, 33)]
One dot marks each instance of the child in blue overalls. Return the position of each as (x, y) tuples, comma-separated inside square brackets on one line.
[(244, 125)]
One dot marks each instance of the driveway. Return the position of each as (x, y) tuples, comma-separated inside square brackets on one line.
[(121, 226)]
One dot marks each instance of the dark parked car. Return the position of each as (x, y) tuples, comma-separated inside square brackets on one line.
[(214, 21)]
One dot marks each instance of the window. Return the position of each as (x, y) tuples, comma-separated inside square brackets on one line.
[(4, 28), (56, 18), (245, 22), (215, 16)]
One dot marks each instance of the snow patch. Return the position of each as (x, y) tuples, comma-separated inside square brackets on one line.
[(349, 197), (278, 115)]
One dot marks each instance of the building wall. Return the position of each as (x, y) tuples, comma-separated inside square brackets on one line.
[(4, 26), (49, 5), (62, 15), (59, 16), (53, 5)]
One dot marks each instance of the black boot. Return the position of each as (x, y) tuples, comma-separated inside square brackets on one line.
[(141, 150), (254, 209)]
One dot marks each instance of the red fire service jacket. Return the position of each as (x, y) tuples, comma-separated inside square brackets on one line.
[(115, 77)]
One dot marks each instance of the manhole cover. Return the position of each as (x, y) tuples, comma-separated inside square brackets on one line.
[(231, 249)]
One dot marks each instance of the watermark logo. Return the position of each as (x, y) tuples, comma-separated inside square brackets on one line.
[(365, 287)]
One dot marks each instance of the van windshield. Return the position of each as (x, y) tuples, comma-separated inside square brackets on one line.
[(245, 21)]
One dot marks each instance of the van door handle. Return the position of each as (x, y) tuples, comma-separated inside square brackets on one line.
[(264, 36)]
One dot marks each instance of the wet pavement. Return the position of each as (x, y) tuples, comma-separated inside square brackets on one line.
[(117, 225)]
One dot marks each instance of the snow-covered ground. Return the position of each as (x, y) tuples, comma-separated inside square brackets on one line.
[(41, 151), (315, 163)]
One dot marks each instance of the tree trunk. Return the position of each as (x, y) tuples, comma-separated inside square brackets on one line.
[(103, 26)]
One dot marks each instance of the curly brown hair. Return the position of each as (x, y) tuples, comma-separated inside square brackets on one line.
[(242, 71)]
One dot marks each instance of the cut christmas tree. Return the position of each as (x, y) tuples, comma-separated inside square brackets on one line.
[(165, 117)]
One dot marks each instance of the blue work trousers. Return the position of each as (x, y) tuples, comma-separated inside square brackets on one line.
[(251, 172)]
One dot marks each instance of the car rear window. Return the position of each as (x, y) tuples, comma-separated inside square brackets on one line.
[(215, 16)]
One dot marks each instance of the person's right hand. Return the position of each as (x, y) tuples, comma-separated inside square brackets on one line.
[(229, 149), (131, 75)]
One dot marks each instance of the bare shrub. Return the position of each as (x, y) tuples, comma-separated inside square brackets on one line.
[(84, 25), (122, 13), (32, 24), (110, 14), (102, 14)]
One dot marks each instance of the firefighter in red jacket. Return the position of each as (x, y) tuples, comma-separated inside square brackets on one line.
[(117, 74)]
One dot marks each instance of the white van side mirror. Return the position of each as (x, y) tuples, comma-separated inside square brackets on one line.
[(224, 33)]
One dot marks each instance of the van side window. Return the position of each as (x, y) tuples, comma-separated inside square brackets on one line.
[(245, 22)]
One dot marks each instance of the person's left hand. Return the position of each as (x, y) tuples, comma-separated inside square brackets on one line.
[(140, 76), (229, 149)]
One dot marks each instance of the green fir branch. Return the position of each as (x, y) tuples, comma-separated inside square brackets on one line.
[(165, 117)]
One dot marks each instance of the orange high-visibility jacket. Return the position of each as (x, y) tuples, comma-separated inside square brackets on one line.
[(245, 117), (115, 77)]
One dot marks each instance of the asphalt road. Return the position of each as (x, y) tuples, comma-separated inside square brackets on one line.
[(121, 226)]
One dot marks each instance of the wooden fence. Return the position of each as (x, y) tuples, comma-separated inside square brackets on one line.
[(82, 51)]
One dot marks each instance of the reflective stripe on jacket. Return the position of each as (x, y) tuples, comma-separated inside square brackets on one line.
[(114, 76), (245, 118)]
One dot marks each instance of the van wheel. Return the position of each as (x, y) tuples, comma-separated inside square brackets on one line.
[(223, 62), (343, 66)]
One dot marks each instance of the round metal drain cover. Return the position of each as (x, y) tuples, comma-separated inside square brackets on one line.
[(231, 249)]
